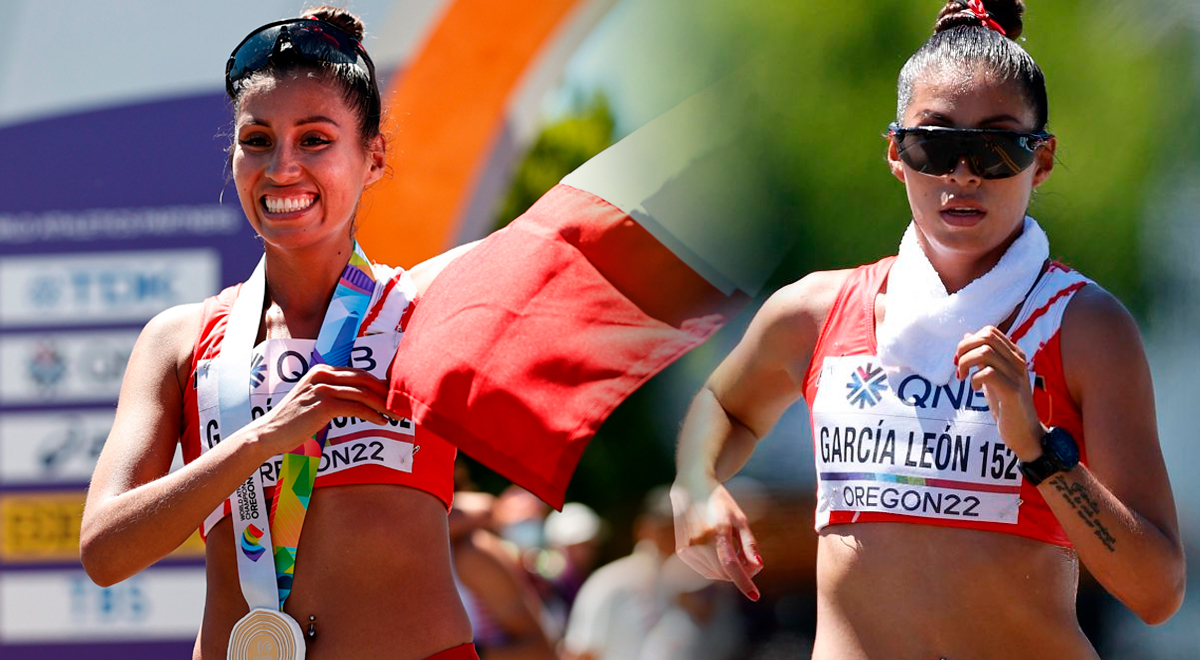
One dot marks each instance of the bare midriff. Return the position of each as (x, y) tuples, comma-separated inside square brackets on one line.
[(372, 578), (900, 591)]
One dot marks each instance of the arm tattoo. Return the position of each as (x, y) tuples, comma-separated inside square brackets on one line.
[(1081, 500)]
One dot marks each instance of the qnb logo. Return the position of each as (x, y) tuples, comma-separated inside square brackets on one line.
[(250, 542), (258, 370), (866, 385)]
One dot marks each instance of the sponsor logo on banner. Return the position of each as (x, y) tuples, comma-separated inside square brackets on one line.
[(37, 528), (42, 527), (65, 605), (46, 366), (54, 447), (58, 447), (109, 287), (65, 367)]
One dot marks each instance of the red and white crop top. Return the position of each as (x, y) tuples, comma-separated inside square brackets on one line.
[(356, 451), (901, 449)]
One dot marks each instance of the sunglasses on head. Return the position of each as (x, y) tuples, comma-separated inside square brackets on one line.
[(308, 38), (991, 153)]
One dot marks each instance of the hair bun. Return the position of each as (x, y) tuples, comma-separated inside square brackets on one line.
[(348, 22), (1006, 13)]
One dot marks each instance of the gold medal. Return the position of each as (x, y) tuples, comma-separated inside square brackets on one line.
[(266, 634)]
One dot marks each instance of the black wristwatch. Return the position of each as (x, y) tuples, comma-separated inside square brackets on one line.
[(1059, 454)]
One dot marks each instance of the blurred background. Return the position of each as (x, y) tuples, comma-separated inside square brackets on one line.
[(115, 204)]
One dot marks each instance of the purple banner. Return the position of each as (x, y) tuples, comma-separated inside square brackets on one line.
[(107, 217)]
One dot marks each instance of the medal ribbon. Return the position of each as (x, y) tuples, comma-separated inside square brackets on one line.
[(298, 470), (254, 529)]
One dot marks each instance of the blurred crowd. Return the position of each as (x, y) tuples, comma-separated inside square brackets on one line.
[(534, 588)]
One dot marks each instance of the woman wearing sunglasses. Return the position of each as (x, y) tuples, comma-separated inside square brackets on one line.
[(983, 416), (334, 540)]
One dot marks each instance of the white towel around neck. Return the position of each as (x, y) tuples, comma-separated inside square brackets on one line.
[(923, 324)]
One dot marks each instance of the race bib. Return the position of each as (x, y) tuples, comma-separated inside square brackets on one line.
[(278, 364), (906, 446)]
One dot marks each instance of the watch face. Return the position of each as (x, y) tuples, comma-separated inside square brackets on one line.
[(1061, 446)]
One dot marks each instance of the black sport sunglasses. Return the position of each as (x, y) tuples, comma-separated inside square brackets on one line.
[(991, 153), (310, 38)]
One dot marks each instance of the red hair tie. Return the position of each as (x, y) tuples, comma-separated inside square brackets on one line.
[(976, 7)]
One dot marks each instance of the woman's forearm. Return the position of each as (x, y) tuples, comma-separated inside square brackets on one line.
[(1133, 558), (750, 390), (132, 522), (123, 534), (713, 446)]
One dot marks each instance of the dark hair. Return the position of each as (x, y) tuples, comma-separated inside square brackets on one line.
[(961, 40), (358, 89)]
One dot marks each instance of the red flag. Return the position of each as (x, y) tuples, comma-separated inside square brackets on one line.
[(522, 346)]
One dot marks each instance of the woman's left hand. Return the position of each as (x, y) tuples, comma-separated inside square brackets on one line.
[(997, 367)]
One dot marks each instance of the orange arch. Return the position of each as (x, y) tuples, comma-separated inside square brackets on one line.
[(446, 109)]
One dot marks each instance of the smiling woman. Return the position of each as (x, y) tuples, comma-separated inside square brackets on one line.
[(951, 523), (325, 519), (297, 162)]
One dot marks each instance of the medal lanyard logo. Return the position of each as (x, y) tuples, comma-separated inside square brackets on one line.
[(298, 470), (251, 542)]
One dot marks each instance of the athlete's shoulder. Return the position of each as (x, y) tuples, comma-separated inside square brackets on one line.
[(784, 330), (170, 338), (809, 299), (1096, 320), (819, 290), (818, 285), (180, 323), (1100, 340)]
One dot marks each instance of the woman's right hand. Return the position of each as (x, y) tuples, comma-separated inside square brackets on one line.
[(713, 536), (137, 510), (322, 394), (740, 403)]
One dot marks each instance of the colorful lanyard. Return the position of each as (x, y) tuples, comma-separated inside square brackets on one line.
[(298, 470)]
